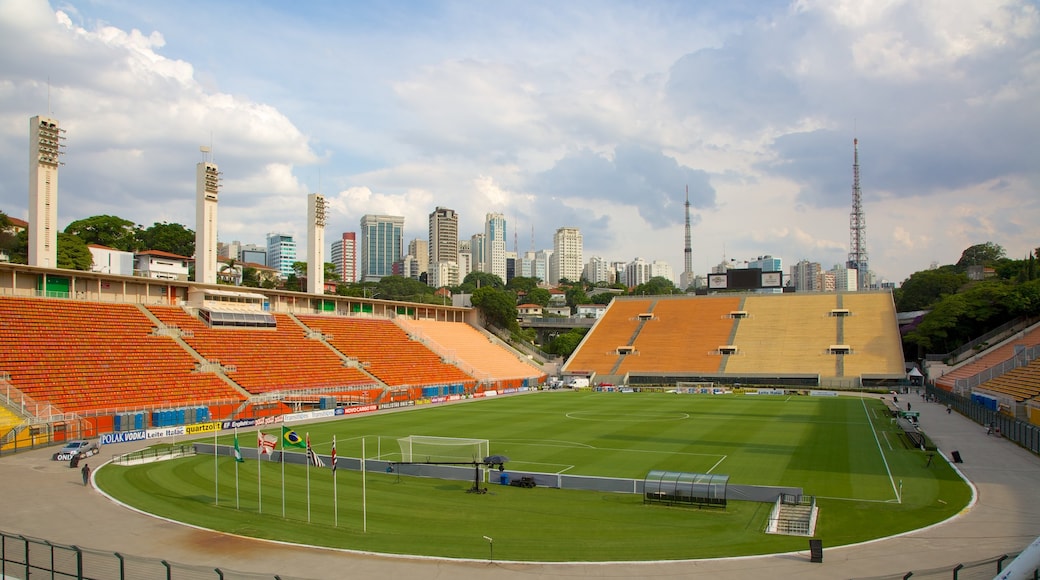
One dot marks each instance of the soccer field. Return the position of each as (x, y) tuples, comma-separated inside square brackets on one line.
[(843, 450)]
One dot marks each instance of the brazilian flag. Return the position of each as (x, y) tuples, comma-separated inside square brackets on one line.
[(291, 439)]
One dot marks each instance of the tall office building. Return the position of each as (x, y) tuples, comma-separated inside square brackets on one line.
[(382, 244), (316, 243), (567, 261), (344, 256), (281, 254), (420, 249), (465, 259), (597, 270), (805, 276), (443, 247), (44, 158), (495, 245), (207, 188), (477, 248), (766, 264)]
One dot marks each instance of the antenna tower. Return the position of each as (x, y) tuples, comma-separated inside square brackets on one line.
[(857, 225), (688, 249)]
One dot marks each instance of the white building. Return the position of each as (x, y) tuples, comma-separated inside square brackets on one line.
[(597, 270), (566, 261), (495, 245), (111, 261), (161, 265), (44, 158), (343, 254), (805, 276), (443, 248), (844, 278)]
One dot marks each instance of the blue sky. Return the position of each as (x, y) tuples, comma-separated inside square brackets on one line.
[(594, 115)]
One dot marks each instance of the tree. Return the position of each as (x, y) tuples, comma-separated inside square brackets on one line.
[(8, 239), (539, 296), (167, 237), (576, 295), (476, 280), (981, 255), (330, 272), (73, 253), (603, 298), (924, 288), (565, 344), (401, 288), (654, 286), (498, 306), (106, 230), (523, 284)]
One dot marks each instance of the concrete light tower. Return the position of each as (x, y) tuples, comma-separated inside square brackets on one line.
[(207, 187), (44, 158), (316, 243)]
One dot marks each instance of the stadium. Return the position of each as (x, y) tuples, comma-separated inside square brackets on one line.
[(126, 360)]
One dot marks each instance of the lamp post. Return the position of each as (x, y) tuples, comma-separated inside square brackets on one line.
[(491, 547)]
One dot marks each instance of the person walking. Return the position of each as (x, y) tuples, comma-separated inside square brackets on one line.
[(86, 473)]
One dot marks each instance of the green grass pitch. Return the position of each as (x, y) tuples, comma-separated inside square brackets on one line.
[(843, 450)]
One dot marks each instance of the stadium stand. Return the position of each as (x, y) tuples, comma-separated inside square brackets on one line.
[(263, 359), (598, 351), (80, 356), (671, 343), (786, 334), (988, 359), (386, 351), (474, 351), (875, 350), (1019, 385)]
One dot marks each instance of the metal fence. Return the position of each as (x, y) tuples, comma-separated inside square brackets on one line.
[(1020, 359), (977, 570), (1025, 434), (23, 557)]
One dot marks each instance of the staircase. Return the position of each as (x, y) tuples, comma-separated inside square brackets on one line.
[(793, 516)]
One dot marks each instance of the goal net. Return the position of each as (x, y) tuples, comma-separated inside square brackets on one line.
[(418, 448), (694, 387)]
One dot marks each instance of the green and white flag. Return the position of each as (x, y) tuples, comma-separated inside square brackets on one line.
[(238, 451)]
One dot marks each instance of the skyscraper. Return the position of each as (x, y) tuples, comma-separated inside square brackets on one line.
[(382, 244), (567, 261), (443, 248), (495, 245), (44, 158), (281, 254), (344, 256)]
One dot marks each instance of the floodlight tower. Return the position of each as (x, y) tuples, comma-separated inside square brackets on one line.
[(686, 278), (857, 226), (207, 188), (45, 153), (316, 243)]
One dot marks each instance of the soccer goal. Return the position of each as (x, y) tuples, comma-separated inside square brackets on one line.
[(420, 448)]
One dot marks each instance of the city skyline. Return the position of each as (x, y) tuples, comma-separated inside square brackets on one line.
[(588, 115)]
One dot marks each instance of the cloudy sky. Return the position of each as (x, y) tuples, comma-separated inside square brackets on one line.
[(595, 115)]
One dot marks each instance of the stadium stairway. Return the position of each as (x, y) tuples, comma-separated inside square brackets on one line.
[(175, 334), (347, 361)]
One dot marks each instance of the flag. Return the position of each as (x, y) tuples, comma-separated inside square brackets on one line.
[(291, 439), (312, 457), (238, 451), (334, 454), (266, 443)]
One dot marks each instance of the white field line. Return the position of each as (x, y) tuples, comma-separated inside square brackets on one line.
[(858, 499), (887, 441), (882, 452), (717, 463)]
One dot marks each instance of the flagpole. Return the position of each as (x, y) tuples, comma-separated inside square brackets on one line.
[(282, 459), (335, 492), (216, 472), (364, 500), (308, 468), (236, 472), (259, 481)]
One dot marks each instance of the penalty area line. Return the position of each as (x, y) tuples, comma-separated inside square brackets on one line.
[(882, 452)]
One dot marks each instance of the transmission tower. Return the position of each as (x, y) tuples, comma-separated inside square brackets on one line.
[(857, 226)]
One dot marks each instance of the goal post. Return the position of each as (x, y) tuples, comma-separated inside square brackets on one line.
[(691, 387), (420, 448)]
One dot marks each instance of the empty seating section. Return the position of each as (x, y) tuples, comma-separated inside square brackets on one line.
[(1020, 384), (265, 360), (473, 349), (989, 359), (684, 335), (386, 351), (81, 356), (786, 334), (598, 351), (871, 332)]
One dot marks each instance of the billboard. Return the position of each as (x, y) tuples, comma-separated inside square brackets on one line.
[(745, 279)]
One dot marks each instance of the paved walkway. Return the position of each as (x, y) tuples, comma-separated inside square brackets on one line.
[(46, 499)]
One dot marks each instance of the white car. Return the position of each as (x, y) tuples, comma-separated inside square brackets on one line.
[(81, 447)]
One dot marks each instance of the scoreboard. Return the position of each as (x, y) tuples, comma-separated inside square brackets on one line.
[(745, 279)]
